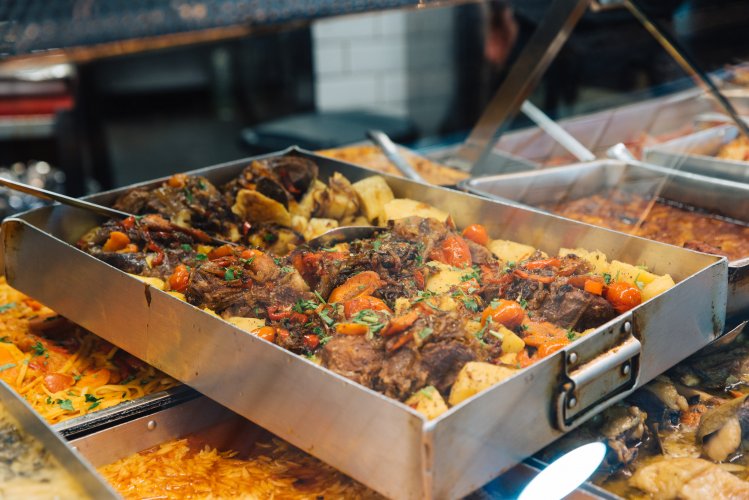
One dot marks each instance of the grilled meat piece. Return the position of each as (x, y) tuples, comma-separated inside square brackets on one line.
[(570, 307)]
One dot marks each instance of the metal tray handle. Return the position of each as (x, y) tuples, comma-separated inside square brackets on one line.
[(592, 381)]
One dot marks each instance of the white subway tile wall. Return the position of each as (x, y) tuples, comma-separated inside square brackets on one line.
[(400, 62)]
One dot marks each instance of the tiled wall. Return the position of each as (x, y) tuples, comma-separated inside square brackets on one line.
[(398, 62)]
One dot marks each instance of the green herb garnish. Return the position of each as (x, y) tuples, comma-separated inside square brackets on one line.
[(571, 334), (425, 332), (229, 274), (6, 307), (376, 245), (5, 340), (188, 195), (186, 247), (40, 350), (201, 256), (323, 314), (7, 366), (606, 278), (66, 404), (301, 306)]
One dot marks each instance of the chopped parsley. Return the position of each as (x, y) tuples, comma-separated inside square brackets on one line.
[(474, 275), (201, 256), (523, 303), (229, 274), (470, 303), (425, 332), (319, 297), (49, 400), (247, 262), (369, 318), (509, 266), (65, 404), (571, 334), (269, 237), (39, 349), (639, 283), (423, 295), (376, 245), (496, 334), (7, 366), (427, 392), (188, 195), (301, 306), (201, 184), (93, 400), (186, 247), (6, 307), (607, 278), (5, 340), (323, 314), (77, 377), (287, 269)]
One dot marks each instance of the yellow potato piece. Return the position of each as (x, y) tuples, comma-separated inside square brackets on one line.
[(374, 193), (315, 227), (154, 282), (596, 258), (444, 277), (247, 324), (510, 251), (657, 286), (256, 207), (428, 401), (511, 343), (621, 271), (476, 376), (403, 207)]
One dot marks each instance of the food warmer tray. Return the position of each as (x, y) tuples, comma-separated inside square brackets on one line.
[(374, 439), (696, 153), (91, 422), (66, 456), (598, 131), (534, 189), (209, 423)]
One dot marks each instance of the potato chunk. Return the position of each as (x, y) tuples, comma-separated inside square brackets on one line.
[(443, 278), (657, 286), (428, 401), (256, 207), (374, 193), (510, 251), (401, 208), (596, 258), (247, 324), (476, 376), (154, 282)]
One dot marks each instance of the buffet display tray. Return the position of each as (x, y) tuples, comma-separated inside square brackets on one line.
[(91, 422), (632, 124), (67, 457), (534, 189), (379, 441), (211, 424), (696, 153)]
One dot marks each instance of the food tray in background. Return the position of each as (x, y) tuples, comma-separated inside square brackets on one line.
[(535, 189), (367, 155), (697, 153), (336, 419), (205, 423), (35, 430)]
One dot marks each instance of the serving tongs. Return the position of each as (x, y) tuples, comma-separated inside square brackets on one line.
[(88, 206)]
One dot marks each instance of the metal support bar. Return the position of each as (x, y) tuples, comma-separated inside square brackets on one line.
[(542, 48), (686, 62)]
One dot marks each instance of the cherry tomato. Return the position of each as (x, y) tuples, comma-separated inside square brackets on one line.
[(311, 341), (453, 251), (179, 279), (353, 306), (623, 296), (267, 332), (507, 312), (476, 233)]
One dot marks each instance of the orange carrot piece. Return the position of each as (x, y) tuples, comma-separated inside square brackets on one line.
[(117, 241)]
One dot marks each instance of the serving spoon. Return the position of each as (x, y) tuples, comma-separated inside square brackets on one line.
[(92, 207)]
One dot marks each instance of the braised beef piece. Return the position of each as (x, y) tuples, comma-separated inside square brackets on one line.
[(241, 287), (480, 254), (570, 307), (353, 356), (187, 201), (435, 360), (282, 179), (425, 233)]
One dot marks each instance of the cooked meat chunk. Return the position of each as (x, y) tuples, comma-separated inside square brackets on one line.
[(570, 307), (354, 357)]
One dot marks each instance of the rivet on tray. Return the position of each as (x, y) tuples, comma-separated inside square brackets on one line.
[(151, 425), (627, 327), (572, 358), (626, 368), (572, 402)]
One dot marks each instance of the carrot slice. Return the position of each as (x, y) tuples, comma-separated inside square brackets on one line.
[(351, 329), (594, 287), (117, 241), (360, 284), (400, 323)]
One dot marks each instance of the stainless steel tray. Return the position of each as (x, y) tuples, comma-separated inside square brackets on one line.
[(91, 422), (696, 153), (376, 440), (220, 428), (534, 189), (66, 456)]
